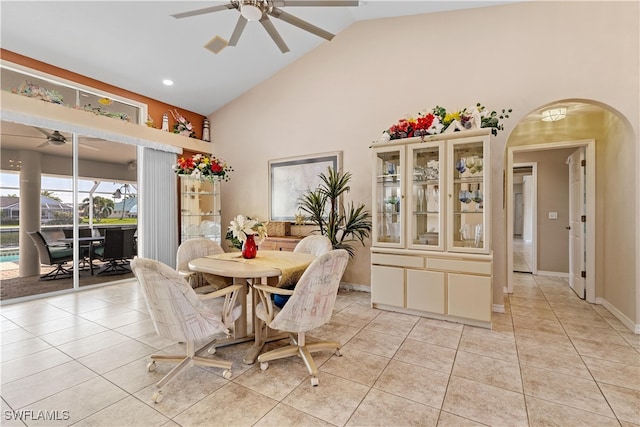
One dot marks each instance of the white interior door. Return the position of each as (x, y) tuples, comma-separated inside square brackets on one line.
[(518, 205), (577, 221)]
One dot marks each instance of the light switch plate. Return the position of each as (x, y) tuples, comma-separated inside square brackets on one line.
[(553, 215)]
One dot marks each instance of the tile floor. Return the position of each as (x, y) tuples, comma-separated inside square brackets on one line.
[(522, 253), (550, 360)]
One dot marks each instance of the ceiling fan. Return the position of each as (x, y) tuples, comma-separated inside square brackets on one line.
[(53, 138), (260, 10)]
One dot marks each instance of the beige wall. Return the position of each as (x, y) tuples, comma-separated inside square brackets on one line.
[(617, 221), (553, 196), (343, 94)]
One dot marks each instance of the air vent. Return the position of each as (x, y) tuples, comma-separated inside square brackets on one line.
[(216, 44)]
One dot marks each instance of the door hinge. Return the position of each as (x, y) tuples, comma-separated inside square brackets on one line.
[(583, 163), (583, 274), (583, 218)]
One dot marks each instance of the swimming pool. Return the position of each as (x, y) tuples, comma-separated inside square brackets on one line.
[(9, 258)]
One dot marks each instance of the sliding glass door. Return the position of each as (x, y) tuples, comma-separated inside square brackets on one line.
[(71, 199)]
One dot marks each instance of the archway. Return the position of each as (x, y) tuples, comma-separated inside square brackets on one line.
[(615, 230)]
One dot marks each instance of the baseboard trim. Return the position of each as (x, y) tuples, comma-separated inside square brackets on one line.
[(619, 315), (355, 287), (553, 274)]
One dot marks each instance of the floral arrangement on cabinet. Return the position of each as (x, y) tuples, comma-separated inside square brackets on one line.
[(438, 121), (202, 167), (242, 226)]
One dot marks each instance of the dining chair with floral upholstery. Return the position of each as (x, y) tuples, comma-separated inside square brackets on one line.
[(179, 314), (315, 244), (310, 306), (197, 248)]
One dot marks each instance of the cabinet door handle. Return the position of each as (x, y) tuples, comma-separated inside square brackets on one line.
[(568, 227)]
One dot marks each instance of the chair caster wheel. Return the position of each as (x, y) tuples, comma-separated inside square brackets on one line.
[(227, 374), (337, 352), (211, 350), (264, 365), (151, 366), (157, 397), (314, 381)]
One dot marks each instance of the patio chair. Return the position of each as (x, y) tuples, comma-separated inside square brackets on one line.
[(52, 255), (117, 250)]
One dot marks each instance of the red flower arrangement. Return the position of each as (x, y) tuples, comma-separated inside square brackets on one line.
[(438, 120), (202, 167)]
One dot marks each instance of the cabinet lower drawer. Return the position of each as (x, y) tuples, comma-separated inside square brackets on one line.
[(459, 265), (280, 243), (398, 260)]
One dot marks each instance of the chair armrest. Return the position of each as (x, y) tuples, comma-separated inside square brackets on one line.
[(264, 294), (220, 292), (230, 294), (187, 275), (273, 290)]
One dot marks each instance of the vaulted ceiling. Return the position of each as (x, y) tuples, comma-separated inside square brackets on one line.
[(136, 44)]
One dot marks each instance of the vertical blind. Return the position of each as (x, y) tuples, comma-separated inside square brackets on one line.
[(158, 207)]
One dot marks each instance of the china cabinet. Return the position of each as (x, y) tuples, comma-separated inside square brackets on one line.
[(431, 252), (199, 209)]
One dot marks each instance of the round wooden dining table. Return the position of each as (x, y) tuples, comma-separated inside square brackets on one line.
[(275, 268)]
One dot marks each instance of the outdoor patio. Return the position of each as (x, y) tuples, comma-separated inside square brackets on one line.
[(12, 286)]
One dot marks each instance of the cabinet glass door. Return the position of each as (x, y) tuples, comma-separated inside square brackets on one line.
[(388, 197), (425, 198), (468, 162), (199, 209)]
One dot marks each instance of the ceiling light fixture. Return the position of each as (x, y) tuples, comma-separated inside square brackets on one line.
[(554, 114), (167, 82), (251, 9)]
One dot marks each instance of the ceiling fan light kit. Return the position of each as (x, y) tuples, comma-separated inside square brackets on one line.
[(252, 10), (260, 10)]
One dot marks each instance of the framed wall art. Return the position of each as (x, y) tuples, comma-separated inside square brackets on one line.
[(291, 177)]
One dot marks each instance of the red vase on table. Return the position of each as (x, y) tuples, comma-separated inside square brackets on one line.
[(249, 247)]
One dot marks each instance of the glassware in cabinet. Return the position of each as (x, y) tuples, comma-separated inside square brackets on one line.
[(468, 176), (425, 197), (388, 197), (199, 209)]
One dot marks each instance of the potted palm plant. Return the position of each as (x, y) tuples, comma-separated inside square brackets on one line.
[(323, 207)]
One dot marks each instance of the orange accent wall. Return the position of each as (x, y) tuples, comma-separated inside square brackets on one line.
[(155, 108)]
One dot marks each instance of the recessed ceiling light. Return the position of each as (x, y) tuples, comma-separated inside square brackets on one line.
[(167, 82)]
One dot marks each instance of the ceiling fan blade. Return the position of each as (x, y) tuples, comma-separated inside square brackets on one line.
[(284, 16), (314, 3), (44, 144), (47, 134), (268, 26), (237, 31), (21, 136), (203, 11), (89, 147)]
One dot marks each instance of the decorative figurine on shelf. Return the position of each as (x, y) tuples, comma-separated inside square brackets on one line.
[(165, 122), (206, 135), (149, 122), (182, 126)]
